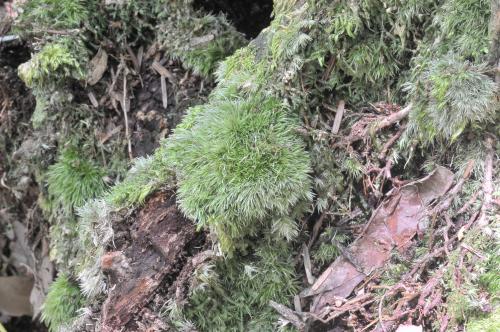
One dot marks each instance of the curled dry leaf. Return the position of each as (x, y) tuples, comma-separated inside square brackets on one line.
[(392, 226), (98, 66)]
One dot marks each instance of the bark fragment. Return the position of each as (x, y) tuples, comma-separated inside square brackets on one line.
[(160, 234)]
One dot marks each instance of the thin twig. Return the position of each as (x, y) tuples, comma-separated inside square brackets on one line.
[(487, 183), (125, 115)]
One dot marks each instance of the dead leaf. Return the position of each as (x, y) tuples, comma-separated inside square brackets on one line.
[(41, 269), (98, 66), (15, 296), (393, 224)]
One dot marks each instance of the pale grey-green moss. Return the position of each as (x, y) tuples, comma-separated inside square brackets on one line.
[(449, 95), (237, 292), (198, 40)]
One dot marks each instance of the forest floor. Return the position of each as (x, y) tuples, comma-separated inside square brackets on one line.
[(388, 273)]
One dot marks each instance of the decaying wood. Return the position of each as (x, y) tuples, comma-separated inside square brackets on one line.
[(160, 236)]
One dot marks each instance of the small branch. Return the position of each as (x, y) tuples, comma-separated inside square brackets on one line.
[(125, 115), (338, 117), (390, 143), (384, 123), (487, 183)]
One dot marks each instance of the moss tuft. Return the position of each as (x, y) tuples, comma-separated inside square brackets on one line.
[(237, 296), (240, 164), (73, 180), (55, 62), (62, 303)]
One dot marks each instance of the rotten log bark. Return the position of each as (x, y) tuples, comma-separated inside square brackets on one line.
[(160, 236)]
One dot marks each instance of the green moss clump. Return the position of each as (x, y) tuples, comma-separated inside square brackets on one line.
[(38, 15), (73, 180), (62, 303), (239, 165), (237, 297), (56, 62), (449, 95), (145, 176)]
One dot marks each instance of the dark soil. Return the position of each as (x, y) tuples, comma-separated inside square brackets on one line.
[(151, 122), (19, 190), (249, 17)]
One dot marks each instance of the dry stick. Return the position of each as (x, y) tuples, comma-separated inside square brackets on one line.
[(487, 183), (446, 203), (125, 115), (386, 122), (390, 143), (338, 117), (469, 202)]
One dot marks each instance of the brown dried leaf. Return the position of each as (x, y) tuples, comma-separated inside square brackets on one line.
[(15, 296), (394, 223), (98, 66)]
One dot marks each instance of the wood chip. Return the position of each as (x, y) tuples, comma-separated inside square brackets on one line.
[(338, 117), (93, 100), (163, 71), (164, 94), (196, 41)]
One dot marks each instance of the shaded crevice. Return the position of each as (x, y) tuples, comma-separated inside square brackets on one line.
[(248, 17)]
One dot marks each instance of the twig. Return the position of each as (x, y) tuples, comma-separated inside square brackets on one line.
[(446, 203), (469, 203), (125, 115), (487, 183), (390, 143), (316, 228), (338, 117), (449, 224), (384, 123)]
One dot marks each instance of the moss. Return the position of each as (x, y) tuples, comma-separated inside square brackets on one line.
[(55, 62), (240, 164), (199, 41), (73, 180), (490, 323), (145, 176), (62, 302), (236, 297), (450, 95), (38, 15), (477, 289)]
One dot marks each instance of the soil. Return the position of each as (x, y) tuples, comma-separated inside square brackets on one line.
[(249, 17), (18, 190)]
